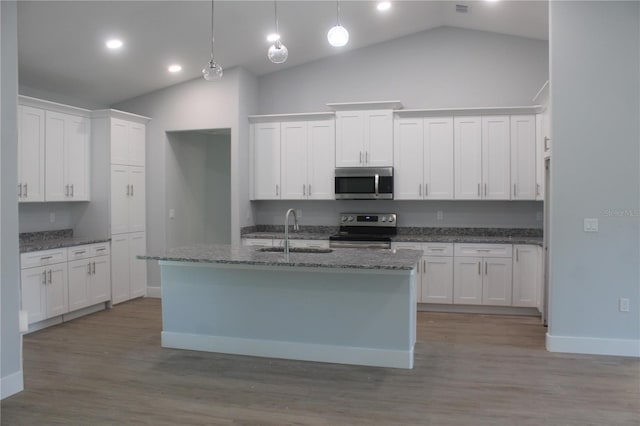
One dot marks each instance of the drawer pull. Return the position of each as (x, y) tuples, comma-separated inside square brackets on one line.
[(88, 268), (44, 277), (93, 268), (101, 249), (80, 252), (50, 279), (46, 257), (437, 248)]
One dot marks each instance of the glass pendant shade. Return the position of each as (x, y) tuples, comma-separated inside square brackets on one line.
[(338, 36), (278, 53), (212, 71)]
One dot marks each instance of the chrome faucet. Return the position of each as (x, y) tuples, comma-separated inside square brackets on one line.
[(286, 230)]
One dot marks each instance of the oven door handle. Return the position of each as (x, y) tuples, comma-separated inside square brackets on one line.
[(376, 183)]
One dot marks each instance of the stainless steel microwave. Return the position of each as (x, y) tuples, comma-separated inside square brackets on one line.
[(364, 183)]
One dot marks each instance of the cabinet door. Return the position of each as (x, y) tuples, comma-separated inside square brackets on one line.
[(138, 268), (120, 191), (57, 290), (526, 275), (437, 279), (120, 264), (79, 276), (523, 157), (293, 148), (497, 282), (540, 158), (467, 280), (438, 158), (136, 135), (100, 280), (467, 133), (408, 159), (77, 158), (33, 295), (137, 199), (378, 139), (496, 162), (57, 188), (119, 142), (350, 139), (321, 159), (31, 133), (266, 161)]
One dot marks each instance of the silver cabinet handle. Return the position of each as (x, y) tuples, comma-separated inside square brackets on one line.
[(546, 142), (80, 252), (517, 255), (360, 157), (485, 189), (309, 189), (514, 190), (66, 190), (478, 190), (479, 268), (304, 189), (277, 190), (44, 277), (426, 189), (420, 189), (486, 265), (128, 191), (50, 279), (94, 268), (89, 268), (72, 190), (46, 257), (26, 192), (436, 248), (366, 157), (101, 249), (376, 184), (424, 266), (131, 189), (19, 190)]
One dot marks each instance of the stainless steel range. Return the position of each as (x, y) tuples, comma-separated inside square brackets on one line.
[(365, 230)]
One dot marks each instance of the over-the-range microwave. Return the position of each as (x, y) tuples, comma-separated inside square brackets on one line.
[(364, 183)]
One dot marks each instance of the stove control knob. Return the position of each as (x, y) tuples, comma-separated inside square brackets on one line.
[(391, 219), (350, 218), (344, 218), (384, 219)]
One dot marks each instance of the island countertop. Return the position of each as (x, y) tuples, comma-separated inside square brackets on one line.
[(337, 258)]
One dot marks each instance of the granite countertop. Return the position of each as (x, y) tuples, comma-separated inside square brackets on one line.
[(292, 235), (338, 258), (467, 239), (26, 247)]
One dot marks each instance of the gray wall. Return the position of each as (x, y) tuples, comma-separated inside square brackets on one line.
[(595, 103), (10, 339), (198, 188), (444, 67), (194, 105), (493, 214)]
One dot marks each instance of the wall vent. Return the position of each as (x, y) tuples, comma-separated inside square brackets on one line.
[(462, 8)]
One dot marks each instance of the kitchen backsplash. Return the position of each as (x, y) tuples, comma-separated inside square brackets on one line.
[(29, 237)]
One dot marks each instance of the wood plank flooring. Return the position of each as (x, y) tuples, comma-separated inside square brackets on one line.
[(109, 369)]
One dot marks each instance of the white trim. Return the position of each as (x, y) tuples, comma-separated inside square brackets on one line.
[(154, 292), (289, 350), (11, 384), (358, 106), (437, 112), (479, 309), (109, 113), (52, 106), (291, 116), (593, 345)]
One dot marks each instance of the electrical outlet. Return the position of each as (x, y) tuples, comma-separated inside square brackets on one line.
[(52, 217), (623, 304), (172, 213), (539, 216), (439, 215), (299, 213), (590, 225)]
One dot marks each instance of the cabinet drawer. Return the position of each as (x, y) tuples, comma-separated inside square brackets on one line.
[(257, 242), (438, 249), (42, 258), (79, 252), (308, 243), (406, 246), (100, 249), (483, 250)]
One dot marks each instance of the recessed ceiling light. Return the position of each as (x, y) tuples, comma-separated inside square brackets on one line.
[(114, 43), (384, 6), (273, 37), (175, 68)]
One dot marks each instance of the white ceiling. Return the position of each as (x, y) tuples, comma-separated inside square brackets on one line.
[(61, 43)]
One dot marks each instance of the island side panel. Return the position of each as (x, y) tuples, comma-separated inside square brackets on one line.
[(347, 316)]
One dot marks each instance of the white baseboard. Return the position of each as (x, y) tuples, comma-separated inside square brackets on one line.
[(478, 309), (289, 350), (593, 345), (11, 385), (154, 292)]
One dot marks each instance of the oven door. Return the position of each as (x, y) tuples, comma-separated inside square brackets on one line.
[(364, 183)]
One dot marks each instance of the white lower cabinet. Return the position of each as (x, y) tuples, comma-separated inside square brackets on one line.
[(526, 275), (44, 291), (437, 279), (89, 280), (496, 284), (467, 280), (128, 274)]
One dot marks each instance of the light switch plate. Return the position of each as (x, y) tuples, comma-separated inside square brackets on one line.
[(439, 215), (299, 213), (52, 217), (172, 213), (590, 225)]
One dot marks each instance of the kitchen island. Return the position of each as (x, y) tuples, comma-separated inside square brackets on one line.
[(351, 306)]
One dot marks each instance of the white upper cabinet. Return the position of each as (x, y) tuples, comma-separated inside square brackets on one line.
[(468, 157), (496, 163), (265, 153), (523, 157), (31, 135), (438, 158), (540, 140), (423, 158), (67, 157), (364, 138), (293, 160), (127, 142)]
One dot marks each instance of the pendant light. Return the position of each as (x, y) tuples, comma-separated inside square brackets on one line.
[(338, 36), (212, 71), (278, 52)]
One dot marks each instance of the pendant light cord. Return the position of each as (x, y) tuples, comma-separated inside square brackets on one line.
[(212, 29), (275, 13), (338, 12)]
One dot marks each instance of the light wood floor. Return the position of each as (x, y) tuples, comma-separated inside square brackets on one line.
[(109, 369)]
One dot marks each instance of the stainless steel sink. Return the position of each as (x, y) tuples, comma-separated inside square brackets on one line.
[(296, 250)]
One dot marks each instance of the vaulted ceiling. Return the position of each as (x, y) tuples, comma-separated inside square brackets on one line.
[(61, 43)]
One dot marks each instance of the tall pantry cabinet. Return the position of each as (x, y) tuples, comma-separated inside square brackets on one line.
[(123, 143)]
